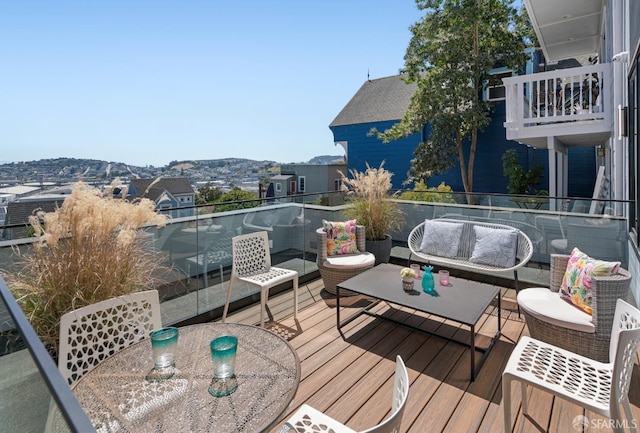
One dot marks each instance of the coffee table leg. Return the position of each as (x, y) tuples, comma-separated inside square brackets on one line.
[(472, 349), (338, 307)]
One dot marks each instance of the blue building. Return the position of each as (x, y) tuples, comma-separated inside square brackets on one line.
[(380, 103)]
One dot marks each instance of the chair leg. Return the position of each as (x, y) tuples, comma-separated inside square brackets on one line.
[(264, 294), (506, 401), (525, 399), (629, 420), (226, 305), (295, 299), (515, 277)]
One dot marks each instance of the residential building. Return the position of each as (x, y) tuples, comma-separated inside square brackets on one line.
[(307, 179), (381, 103), (166, 192), (605, 115)]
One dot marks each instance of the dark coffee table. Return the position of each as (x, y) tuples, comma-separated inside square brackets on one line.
[(462, 301)]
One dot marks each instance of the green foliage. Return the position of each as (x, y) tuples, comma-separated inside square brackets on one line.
[(521, 182), (451, 51), (525, 29), (420, 192), (208, 194), (370, 204), (237, 195)]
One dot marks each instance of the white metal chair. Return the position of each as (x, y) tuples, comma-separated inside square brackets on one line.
[(90, 334), (597, 386), (252, 265), (310, 420)]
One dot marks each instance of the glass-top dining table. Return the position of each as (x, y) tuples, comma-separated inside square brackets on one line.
[(116, 396)]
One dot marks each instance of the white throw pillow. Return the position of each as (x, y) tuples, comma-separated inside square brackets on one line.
[(496, 247), (441, 238)]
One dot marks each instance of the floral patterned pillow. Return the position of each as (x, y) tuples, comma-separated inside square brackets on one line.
[(576, 283), (341, 237)]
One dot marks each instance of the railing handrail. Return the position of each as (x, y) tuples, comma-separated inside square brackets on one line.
[(558, 73)]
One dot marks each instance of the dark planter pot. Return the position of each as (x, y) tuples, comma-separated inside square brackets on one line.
[(380, 248)]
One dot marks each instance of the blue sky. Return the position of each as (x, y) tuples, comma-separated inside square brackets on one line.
[(148, 82)]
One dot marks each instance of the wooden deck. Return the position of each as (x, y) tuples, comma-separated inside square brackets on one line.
[(351, 378)]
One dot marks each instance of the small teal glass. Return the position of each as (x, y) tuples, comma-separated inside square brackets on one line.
[(223, 355), (164, 344)]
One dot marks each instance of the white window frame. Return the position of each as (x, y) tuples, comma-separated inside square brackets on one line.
[(302, 183)]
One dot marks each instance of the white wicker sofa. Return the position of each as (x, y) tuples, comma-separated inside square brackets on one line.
[(463, 257)]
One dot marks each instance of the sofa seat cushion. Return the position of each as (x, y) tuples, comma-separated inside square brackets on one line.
[(548, 306), (350, 261)]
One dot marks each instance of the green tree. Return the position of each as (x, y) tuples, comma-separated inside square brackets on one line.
[(237, 195), (524, 27), (520, 182), (208, 194), (450, 54)]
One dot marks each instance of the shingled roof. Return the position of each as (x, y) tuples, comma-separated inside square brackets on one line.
[(377, 100), (153, 188)]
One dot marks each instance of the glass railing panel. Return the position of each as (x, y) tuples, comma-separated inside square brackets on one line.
[(193, 286), (197, 249), (580, 223), (30, 383)]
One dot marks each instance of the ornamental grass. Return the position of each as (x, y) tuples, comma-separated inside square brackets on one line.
[(88, 250), (370, 203)]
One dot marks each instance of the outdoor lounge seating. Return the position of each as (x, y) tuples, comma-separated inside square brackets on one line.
[(252, 265), (553, 320), (457, 244), (336, 269), (596, 386), (310, 420), (90, 334)]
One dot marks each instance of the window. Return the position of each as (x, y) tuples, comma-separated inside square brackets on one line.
[(337, 184), (301, 183), (278, 187), (497, 92)]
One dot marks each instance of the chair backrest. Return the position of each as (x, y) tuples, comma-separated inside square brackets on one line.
[(90, 334), (623, 347), (251, 254), (399, 399)]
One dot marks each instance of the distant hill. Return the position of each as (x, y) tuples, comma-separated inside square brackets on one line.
[(71, 169), (327, 159)]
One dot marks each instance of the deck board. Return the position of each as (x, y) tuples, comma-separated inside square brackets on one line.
[(350, 376)]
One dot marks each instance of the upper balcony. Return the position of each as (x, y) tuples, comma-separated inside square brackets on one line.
[(572, 105)]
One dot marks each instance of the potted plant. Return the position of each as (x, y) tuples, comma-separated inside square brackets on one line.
[(408, 276), (371, 207), (88, 250)]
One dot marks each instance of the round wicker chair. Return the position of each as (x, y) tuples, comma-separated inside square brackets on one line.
[(336, 269), (589, 335)]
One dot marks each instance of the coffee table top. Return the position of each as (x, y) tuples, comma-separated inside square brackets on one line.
[(462, 300)]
